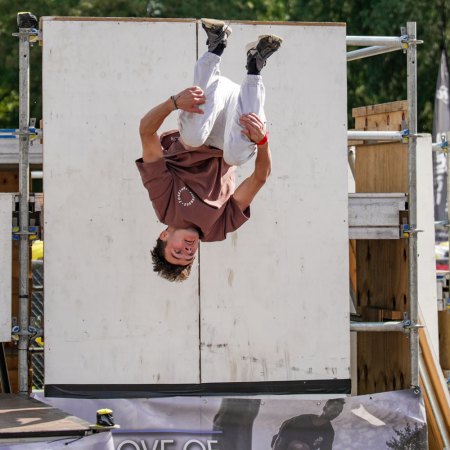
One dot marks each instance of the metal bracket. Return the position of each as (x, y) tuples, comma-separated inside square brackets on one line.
[(31, 331), (416, 390), (24, 233), (16, 331), (405, 136), (412, 326), (407, 231), (406, 41), (35, 132), (33, 34), (441, 146)]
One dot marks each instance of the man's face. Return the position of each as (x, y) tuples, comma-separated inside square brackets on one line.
[(181, 245), (332, 409)]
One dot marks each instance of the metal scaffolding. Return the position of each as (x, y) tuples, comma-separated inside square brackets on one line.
[(407, 43), (378, 45), (26, 35)]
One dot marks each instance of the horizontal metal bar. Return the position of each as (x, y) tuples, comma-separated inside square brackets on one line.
[(36, 349), (387, 41), (400, 196), (369, 51), (440, 147), (379, 326), (17, 132), (376, 135)]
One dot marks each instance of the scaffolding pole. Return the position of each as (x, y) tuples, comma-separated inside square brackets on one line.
[(412, 200), (369, 51), (382, 45), (381, 327), (377, 135), (24, 143), (385, 41), (375, 45)]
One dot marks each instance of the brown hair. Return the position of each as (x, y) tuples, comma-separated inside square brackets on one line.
[(165, 269)]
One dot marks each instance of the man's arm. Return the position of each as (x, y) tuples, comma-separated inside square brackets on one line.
[(255, 130), (187, 100)]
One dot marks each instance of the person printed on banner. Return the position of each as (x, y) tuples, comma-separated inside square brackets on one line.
[(309, 431)]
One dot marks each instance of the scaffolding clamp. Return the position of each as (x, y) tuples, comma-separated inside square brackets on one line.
[(405, 136), (31, 232), (411, 326), (32, 132), (406, 230), (407, 40), (441, 146), (32, 331), (31, 34), (16, 331)]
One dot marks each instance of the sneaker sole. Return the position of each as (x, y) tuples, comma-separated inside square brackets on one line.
[(213, 24), (254, 44)]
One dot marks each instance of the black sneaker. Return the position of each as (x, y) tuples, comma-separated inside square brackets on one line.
[(27, 20), (217, 32), (259, 51)]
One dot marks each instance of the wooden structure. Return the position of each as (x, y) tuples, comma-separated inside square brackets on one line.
[(435, 394), (444, 339), (382, 266)]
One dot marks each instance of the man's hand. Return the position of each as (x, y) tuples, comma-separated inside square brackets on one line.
[(189, 99), (254, 127)]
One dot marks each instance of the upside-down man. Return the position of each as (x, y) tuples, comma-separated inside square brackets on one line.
[(189, 173)]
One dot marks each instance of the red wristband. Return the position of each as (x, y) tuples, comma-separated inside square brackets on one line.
[(263, 140)]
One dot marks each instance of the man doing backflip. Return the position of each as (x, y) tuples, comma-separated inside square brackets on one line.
[(190, 173)]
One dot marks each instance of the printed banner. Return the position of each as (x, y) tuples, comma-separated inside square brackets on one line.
[(393, 420), (441, 125)]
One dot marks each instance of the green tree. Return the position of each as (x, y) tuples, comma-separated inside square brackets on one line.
[(373, 80), (382, 78), (9, 47), (409, 438)]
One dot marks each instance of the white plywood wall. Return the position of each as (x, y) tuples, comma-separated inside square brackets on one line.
[(275, 303), (6, 201), (272, 301), (108, 319), (426, 261)]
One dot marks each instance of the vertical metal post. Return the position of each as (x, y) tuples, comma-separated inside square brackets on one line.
[(24, 119), (412, 125)]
